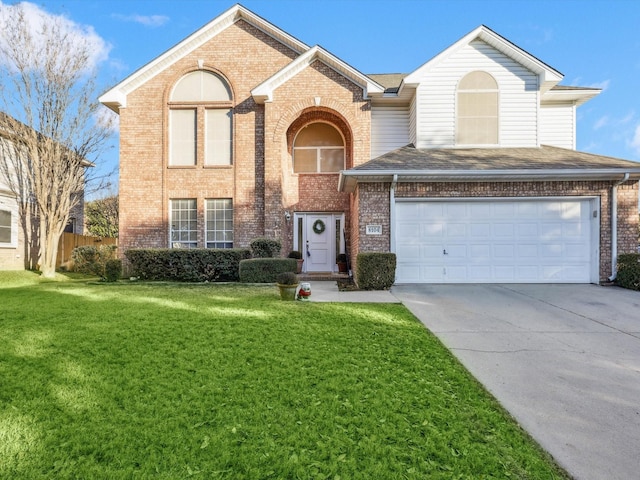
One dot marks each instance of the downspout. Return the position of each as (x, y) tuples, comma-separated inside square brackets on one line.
[(614, 227), (392, 213)]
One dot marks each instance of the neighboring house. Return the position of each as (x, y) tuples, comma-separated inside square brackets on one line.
[(465, 168), (12, 241)]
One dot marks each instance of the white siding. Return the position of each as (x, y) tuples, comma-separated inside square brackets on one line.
[(389, 129), (557, 126), (436, 97)]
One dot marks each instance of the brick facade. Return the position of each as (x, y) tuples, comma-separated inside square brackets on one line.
[(260, 180)]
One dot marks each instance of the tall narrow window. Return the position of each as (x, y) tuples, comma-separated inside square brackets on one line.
[(318, 148), (200, 100), (477, 122), (5, 226), (219, 223), (184, 223)]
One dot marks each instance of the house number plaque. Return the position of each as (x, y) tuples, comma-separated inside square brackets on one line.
[(374, 229)]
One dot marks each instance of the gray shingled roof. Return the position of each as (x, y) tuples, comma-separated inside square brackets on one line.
[(545, 157), (409, 164)]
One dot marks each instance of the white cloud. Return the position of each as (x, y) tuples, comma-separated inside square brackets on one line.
[(603, 84), (635, 142), (80, 35), (146, 20), (107, 119), (602, 122)]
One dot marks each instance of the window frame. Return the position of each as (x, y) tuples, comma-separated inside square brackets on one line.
[(318, 149), (200, 107), (215, 243), (458, 134), (193, 218), (9, 226)]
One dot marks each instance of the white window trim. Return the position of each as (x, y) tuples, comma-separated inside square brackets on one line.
[(177, 244), (206, 224)]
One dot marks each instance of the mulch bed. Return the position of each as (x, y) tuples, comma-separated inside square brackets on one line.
[(347, 285)]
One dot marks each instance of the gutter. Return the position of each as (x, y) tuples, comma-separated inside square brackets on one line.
[(614, 227), (392, 214)]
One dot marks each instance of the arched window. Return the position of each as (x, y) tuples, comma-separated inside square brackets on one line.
[(477, 114), (200, 94), (318, 148)]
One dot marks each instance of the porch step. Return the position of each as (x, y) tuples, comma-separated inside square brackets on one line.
[(322, 276)]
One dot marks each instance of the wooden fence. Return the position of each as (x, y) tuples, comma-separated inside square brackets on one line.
[(69, 241)]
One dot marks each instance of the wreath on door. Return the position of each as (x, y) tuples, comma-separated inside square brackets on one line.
[(318, 226)]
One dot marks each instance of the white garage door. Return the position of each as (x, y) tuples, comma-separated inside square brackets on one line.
[(494, 241)]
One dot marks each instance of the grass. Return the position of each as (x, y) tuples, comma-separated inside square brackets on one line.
[(167, 381)]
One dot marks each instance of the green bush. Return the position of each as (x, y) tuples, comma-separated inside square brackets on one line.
[(629, 271), (287, 278), (186, 265), (295, 254), (265, 247), (92, 260), (375, 270), (265, 270), (113, 270)]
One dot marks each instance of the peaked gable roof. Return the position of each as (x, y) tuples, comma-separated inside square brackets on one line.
[(549, 76), (116, 97), (264, 92)]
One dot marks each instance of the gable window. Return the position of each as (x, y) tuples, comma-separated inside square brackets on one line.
[(477, 113), (318, 148), (200, 108), (5, 226), (184, 223), (219, 233)]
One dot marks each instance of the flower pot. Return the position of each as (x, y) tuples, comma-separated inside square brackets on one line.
[(287, 292), (300, 262), (342, 267)]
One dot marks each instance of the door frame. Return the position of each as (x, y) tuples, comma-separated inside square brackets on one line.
[(300, 234)]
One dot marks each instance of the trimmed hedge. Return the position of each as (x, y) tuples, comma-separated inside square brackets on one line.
[(375, 270), (113, 270), (92, 260), (628, 275), (187, 265), (265, 247), (265, 270)]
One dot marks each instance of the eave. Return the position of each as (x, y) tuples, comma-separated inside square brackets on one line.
[(569, 95), (264, 92), (548, 75), (350, 178), (116, 97)]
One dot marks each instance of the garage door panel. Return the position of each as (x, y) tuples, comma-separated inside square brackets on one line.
[(541, 240)]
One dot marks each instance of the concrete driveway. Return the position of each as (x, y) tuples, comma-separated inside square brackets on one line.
[(564, 360)]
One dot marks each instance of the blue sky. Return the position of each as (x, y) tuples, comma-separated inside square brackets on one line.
[(593, 43)]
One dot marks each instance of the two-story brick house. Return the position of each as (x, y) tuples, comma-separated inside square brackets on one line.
[(465, 168)]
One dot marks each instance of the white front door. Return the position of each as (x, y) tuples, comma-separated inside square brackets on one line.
[(319, 237)]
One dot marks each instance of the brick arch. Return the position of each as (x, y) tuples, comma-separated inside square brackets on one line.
[(296, 109), (313, 115), (205, 68)]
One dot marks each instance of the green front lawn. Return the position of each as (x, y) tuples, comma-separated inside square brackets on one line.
[(134, 380)]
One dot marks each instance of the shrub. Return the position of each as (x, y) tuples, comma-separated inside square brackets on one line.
[(265, 270), (187, 265), (376, 270), (265, 247), (629, 271), (92, 260), (295, 254), (287, 278), (113, 270)]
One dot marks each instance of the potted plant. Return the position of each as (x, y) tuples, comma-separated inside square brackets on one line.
[(298, 256), (287, 284), (341, 260)]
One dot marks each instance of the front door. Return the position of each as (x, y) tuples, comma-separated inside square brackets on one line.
[(319, 237)]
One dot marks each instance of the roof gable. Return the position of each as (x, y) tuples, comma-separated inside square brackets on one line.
[(548, 76), (264, 92), (116, 97)]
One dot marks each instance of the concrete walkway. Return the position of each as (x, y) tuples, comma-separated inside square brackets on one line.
[(564, 360)]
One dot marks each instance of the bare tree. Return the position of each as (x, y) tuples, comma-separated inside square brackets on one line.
[(50, 128)]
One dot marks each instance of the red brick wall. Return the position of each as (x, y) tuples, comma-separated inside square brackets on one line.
[(373, 199), (261, 180)]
